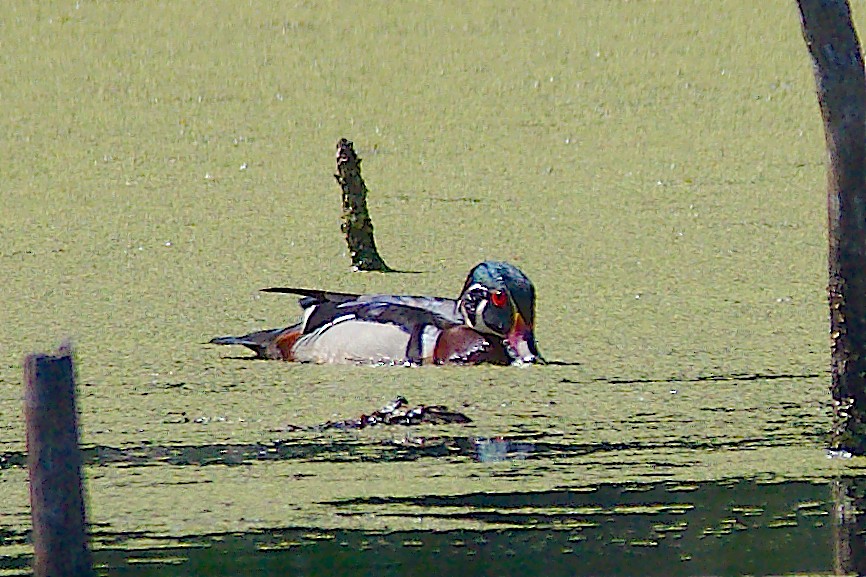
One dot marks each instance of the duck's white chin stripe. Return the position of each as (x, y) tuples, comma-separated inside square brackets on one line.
[(480, 325)]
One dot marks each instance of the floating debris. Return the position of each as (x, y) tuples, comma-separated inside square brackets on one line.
[(397, 412)]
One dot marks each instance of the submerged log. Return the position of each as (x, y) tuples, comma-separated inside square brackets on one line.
[(54, 460), (841, 85), (357, 225)]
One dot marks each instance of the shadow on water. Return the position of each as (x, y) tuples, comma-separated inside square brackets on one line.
[(710, 378), (740, 526), (849, 526), (719, 528), (527, 447)]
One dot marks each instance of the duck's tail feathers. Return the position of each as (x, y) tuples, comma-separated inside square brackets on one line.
[(263, 343)]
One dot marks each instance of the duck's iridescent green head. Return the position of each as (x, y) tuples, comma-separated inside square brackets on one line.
[(498, 299)]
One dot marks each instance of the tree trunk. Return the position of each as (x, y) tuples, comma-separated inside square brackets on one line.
[(841, 84)]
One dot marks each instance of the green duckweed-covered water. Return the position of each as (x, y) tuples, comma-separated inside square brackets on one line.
[(655, 168)]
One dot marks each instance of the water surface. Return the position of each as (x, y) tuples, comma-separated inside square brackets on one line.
[(658, 173)]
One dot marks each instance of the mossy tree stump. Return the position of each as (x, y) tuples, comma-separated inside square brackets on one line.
[(356, 225)]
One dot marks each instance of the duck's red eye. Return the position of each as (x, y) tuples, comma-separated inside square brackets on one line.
[(498, 298)]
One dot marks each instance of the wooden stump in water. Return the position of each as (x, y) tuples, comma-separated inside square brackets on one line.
[(357, 225), (54, 461)]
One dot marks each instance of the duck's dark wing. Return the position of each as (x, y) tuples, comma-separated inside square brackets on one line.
[(314, 296), (338, 302)]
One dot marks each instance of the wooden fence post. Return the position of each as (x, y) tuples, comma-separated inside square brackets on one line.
[(54, 460)]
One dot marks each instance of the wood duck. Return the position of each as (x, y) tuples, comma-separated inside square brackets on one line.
[(490, 322)]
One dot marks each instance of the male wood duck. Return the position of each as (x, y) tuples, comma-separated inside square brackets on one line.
[(490, 322)]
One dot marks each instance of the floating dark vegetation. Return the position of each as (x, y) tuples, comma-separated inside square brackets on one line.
[(397, 412)]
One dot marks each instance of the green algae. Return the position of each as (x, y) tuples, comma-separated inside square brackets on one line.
[(658, 173)]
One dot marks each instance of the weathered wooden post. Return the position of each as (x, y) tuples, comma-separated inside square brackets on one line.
[(53, 457), (841, 83), (357, 225)]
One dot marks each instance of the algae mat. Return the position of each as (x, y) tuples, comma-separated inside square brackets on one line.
[(656, 169)]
